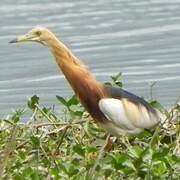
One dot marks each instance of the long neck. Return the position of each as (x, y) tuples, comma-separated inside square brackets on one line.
[(86, 87)]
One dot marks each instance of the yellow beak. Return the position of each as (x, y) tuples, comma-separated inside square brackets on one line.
[(25, 38)]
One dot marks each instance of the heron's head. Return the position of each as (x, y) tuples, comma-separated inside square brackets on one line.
[(37, 34)]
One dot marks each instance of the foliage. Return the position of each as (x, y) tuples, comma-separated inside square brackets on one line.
[(47, 146), (116, 80)]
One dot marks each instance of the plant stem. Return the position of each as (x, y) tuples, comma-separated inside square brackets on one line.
[(101, 153), (9, 148), (58, 124)]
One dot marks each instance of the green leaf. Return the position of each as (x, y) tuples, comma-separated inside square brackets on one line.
[(177, 107), (107, 172), (116, 77), (8, 121), (135, 152), (79, 150), (160, 154), (63, 167), (108, 83), (32, 102), (116, 81), (90, 149), (157, 105), (55, 173), (119, 160), (62, 100), (72, 101), (76, 162), (35, 140), (119, 84), (27, 172), (78, 113), (17, 115), (22, 155), (159, 168), (46, 110), (35, 175), (72, 170), (18, 177)]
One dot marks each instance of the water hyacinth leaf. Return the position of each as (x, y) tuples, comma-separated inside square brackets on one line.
[(32, 102)]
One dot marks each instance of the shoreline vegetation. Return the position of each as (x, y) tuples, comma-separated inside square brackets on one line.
[(49, 146)]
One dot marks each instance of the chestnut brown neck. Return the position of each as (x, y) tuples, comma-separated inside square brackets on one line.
[(85, 86)]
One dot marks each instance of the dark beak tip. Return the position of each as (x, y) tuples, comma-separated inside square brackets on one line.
[(13, 41)]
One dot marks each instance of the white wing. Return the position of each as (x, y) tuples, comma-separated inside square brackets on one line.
[(127, 115)]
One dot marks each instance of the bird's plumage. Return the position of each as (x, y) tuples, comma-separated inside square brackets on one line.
[(127, 117), (115, 109), (126, 113)]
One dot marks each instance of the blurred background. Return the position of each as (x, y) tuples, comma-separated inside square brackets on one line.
[(140, 38)]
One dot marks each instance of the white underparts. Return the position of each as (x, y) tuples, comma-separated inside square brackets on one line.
[(126, 117)]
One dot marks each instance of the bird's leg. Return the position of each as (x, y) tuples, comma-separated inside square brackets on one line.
[(109, 143), (125, 141), (106, 147)]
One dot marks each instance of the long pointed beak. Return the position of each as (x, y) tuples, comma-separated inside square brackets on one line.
[(25, 38), (14, 41)]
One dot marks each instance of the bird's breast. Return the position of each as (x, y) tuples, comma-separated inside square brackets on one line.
[(89, 97), (90, 102)]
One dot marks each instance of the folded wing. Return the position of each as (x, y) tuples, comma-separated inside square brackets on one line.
[(128, 112)]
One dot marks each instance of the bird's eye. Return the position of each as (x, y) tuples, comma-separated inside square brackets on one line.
[(38, 33)]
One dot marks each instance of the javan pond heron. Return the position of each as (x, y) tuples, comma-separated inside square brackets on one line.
[(114, 109)]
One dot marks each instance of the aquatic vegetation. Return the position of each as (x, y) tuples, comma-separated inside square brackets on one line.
[(66, 146)]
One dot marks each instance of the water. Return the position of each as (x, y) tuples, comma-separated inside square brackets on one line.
[(140, 38)]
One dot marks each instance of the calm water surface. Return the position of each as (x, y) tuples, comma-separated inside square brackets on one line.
[(140, 38)]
